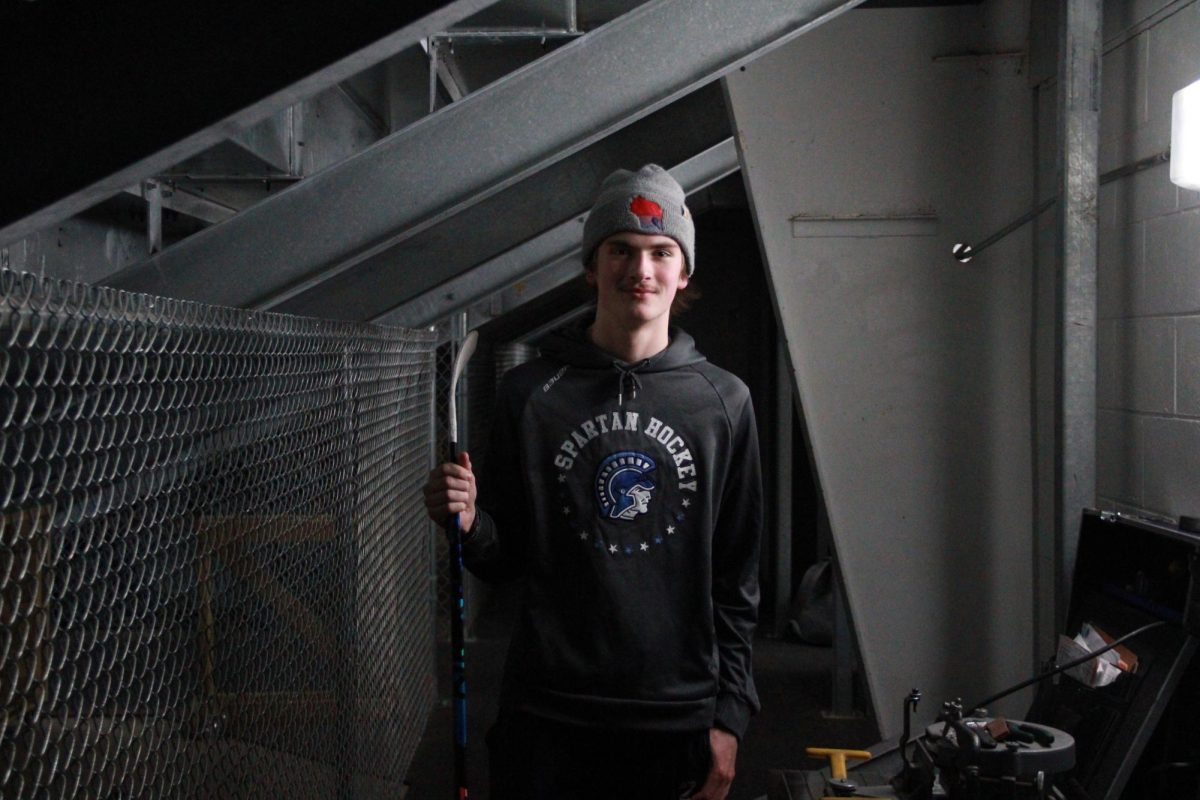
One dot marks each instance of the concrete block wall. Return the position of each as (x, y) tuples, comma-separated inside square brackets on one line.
[(1148, 371)]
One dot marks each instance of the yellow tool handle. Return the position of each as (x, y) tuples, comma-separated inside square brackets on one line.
[(837, 758)]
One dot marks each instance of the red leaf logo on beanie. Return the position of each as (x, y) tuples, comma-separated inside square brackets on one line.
[(648, 212)]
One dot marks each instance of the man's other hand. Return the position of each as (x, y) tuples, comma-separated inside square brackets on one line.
[(720, 776)]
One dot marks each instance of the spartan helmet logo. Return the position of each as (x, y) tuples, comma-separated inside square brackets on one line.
[(624, 484)]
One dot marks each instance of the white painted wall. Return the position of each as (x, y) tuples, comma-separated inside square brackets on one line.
[(914, 372), (1148, 387)]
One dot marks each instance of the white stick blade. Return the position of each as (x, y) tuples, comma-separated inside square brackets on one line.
[(465, 351)]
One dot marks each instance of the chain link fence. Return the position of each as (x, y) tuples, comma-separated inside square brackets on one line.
[(215, 572)]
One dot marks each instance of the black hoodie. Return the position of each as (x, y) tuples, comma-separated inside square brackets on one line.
[(628, 498)]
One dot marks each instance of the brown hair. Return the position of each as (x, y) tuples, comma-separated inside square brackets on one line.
[(685, 296)]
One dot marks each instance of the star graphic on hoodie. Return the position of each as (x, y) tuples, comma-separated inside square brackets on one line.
[(562, 477), (566, 511), (645, 547), (670, 529), (686, 502), (612, 548), (583, 536)]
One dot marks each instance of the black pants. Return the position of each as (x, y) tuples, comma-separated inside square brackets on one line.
[(532, 758)]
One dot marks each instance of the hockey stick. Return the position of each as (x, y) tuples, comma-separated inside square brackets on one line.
[(458, 648)]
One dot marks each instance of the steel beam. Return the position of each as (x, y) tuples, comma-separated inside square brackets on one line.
[(153, 192), (545, 262), (498, 35), (572, 16), (363, 108), (473, 149), (190, 204), (1075, 324), (271, 141), (445, 64), (113, 173)]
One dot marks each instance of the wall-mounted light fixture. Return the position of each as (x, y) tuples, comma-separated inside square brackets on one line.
[(1185, 137)]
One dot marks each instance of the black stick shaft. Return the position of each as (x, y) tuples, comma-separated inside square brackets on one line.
[(458, 648), (458, 655)]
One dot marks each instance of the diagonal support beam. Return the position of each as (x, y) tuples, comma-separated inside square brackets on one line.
[(443, 65), (545, 262), (472, 149)]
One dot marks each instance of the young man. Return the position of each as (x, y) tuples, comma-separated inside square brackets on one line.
[(623, 487)]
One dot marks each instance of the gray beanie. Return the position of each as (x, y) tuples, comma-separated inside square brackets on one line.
[(648, 201)]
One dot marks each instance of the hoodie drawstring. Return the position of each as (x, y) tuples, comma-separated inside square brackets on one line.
[(630, 373)]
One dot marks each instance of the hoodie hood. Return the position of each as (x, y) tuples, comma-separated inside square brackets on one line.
[(573, 348)]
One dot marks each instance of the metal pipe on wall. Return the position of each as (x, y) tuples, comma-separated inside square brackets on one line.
[(1079, 60)]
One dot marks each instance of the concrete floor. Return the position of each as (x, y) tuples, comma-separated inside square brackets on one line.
[(793, 684)]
